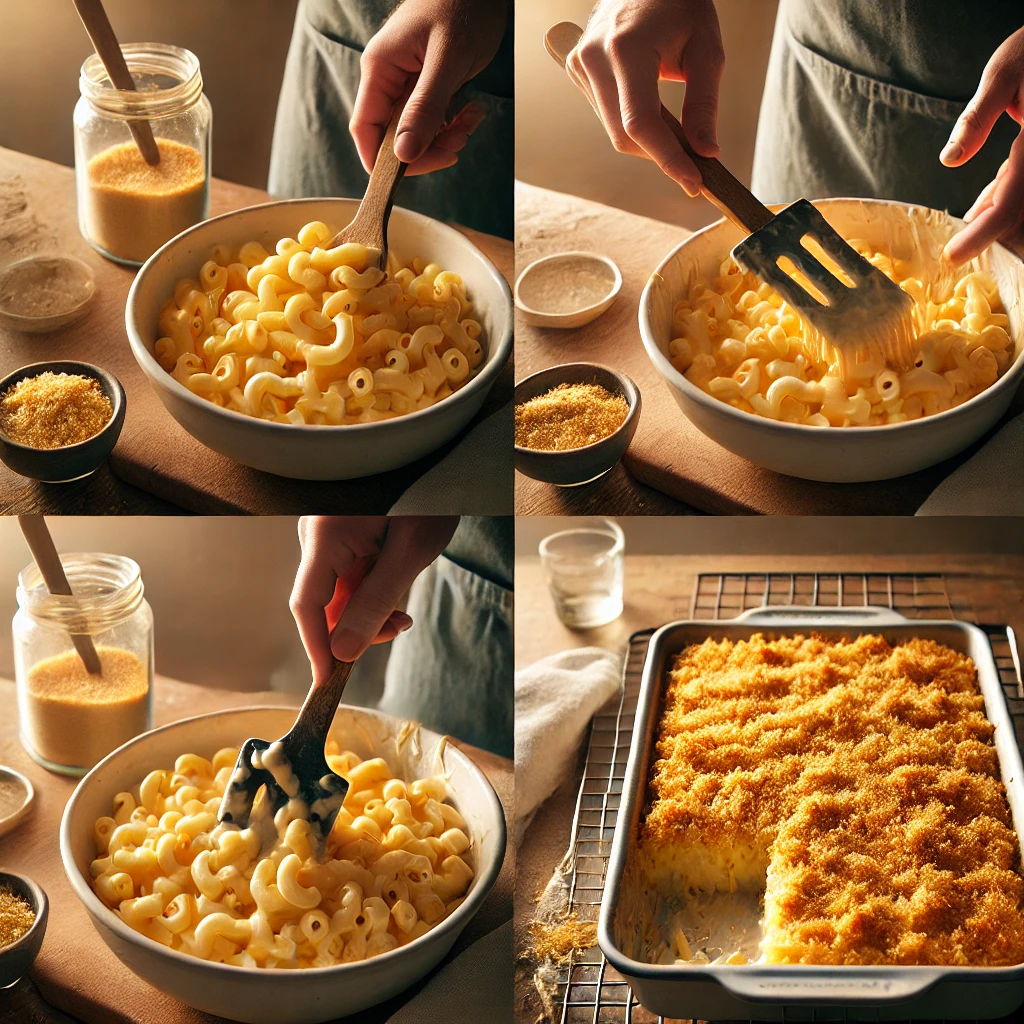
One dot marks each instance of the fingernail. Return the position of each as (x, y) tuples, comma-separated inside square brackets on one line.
[(401, 620), (405, 147), (346, 645), (951, 151)]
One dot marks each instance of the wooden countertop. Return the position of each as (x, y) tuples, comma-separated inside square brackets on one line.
[(156, 466), (658, 589), (670, 466), (76, 978)]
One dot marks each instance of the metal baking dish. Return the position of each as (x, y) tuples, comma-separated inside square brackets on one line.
[(804, 992)]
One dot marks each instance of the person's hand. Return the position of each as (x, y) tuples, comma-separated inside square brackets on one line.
[(354, 571), (626, 47), (999, 211), (426, 50)]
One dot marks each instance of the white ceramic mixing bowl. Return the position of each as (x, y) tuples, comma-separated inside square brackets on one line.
[(835, 454), (320, 452), (282, 996)]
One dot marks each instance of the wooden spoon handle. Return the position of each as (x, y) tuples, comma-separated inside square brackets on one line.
[(317, 712), (96, 23), (40, 543), (718, 184), (370, 224)]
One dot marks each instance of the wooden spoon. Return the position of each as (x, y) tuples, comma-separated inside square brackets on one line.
[(369, 226), (40, 543), (97, 24)]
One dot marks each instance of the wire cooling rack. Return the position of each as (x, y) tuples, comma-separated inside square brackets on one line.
[(589, 990)]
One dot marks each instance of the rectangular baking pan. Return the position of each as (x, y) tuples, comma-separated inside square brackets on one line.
[(806, 992)]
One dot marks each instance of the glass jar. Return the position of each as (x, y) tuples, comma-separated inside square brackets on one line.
[(127, 208), (70, 719)]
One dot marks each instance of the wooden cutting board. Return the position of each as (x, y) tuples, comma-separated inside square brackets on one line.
[(669, 453), (38, 214)]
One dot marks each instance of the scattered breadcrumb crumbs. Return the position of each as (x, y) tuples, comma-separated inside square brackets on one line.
[(569, 416), (16, 916), (53, 410), (560, 939)]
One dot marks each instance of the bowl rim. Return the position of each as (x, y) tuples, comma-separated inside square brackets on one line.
[(629, 391), (112, 388), (487, 874), (37, 321), (159, 377), (40, 904), (607, 297), (1010, 380)]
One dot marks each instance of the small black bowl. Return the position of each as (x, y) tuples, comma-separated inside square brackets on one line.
[(16, 958), (61, 465), (578, 465)]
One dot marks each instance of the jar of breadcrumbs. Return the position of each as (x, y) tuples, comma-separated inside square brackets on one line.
[(68, 718), (127, 207)]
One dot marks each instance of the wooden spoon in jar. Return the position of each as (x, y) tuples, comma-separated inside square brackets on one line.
[(40, 543), (369, 226), (97, 24)]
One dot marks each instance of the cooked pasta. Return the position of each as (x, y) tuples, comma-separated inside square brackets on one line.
[(394, 866), (737, 340), (308, 335)]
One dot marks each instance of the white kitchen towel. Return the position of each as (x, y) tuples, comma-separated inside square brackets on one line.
[(556, 698), (475, 477), (989, 483), (474, 988)]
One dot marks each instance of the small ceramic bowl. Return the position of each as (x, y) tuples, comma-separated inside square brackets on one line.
[(45, 277), (74, 461), (16, 796), (567, 290), (16, 958), (578, 465)]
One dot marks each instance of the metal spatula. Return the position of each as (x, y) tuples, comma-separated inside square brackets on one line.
[(293, 767), (871, 312)]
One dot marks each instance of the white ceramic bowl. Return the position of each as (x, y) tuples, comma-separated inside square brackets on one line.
[(835, 454), (583, 285), (320, 452), (279, 996)]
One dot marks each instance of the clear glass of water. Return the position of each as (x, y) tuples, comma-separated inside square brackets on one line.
[(583, 567)]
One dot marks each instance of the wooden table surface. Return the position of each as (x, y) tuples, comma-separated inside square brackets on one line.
[(658, 589), (669, 460), (157, 467), (542, 220), (172, 700)]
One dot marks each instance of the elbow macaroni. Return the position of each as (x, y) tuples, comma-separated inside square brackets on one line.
[(316, 336), (394, 867), (737, 340)]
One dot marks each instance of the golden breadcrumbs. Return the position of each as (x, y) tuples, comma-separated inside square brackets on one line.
[(16, 916), (559, 940), (569, 416), (865, 776), (53, 410)]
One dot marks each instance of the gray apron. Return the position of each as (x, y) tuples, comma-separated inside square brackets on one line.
[(314, 155), (861, 95), (453, 670)]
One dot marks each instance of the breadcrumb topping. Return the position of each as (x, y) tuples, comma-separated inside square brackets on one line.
[(867, 776)]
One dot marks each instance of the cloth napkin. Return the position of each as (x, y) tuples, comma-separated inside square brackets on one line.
[(989, 483), (474, 988), (556, 698), (474, 477)]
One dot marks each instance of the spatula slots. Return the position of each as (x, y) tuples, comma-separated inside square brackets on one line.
[(870, 314)]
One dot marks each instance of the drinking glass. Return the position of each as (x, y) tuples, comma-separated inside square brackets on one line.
[(583, 567)]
